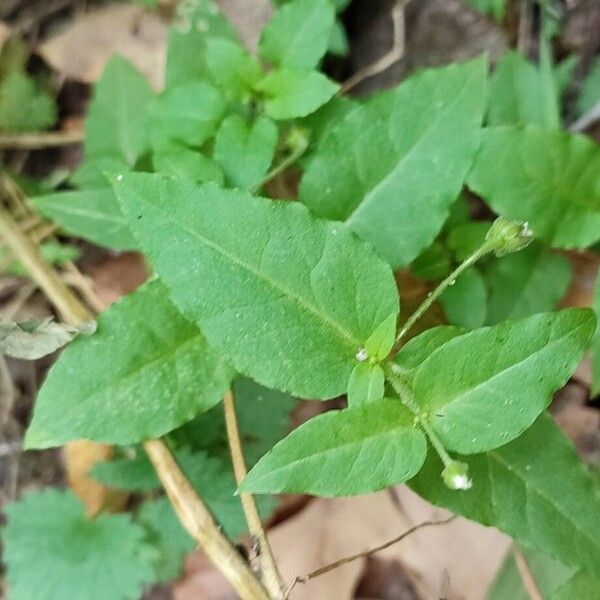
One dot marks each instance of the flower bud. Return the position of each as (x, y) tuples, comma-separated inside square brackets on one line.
[(505, 236), (456, 476)]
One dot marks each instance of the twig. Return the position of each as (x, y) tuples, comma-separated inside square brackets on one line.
[(526, 576), (388, 59), (270, 575), (199, 522), (38, 141), (589, 118), (352, 557)]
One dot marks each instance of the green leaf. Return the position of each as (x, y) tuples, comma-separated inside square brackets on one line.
[(167, 536), (535, 489), (342, 453), (465, 302), (581, 585), (35, 338), (53, 551), (393, 167), (298, 34), (231, 67), (92, 214), (367, 384), (590, 93), (24, 106), (466, 238), (189, 114), (494, 8), (338, 43), (596, 341), (245, 151), (296, 297), (130, 474), (180, 161), (550, 179), (433, 263), (290, 93), (116, 125), (526, 283), (96, 172), (492, 383), (381, 341), (145, 371)]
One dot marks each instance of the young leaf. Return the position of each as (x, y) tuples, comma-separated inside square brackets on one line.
[(116, 125), (596, 342), (367, 384), (188, 114), (23, 105), (393, 167), (465, 302), (492, 383), (181, 161), (535, 489), (52, 550), (298, 34), (342, 453), (548, 178), (292, 93), (296, 297), (245, 151), (145, 371), (381, 341), (92, 214), (526, 283)]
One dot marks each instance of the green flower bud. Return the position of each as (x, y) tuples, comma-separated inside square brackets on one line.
[(456, 476), (506, 237)]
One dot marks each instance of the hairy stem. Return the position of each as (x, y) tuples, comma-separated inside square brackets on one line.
[(270, 575)]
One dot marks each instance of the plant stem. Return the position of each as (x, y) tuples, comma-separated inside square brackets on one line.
[(437, 292), (269, 572), (201, 525), (404, 392), (37, 141), (282, 166), (435, 442)]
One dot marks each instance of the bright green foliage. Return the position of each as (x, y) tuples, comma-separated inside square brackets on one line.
[(145, 371), (339, 453), (396, 190), (298, 35), (94, 172), (551, 179), (293, 93), (380, 342), (590, 94), (466, 238), (131, 474), (596, 342), (167, 536), (24, 106), (92, 213), (580, 585), (491, 384), (189, 114), (245, 151), (53, 551), (526, 283), (465, 302), (181, 161), (278, 270), (535, 489), (367, 384), (116, 126)]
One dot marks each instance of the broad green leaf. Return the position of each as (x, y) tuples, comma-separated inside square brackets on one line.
[(433, 263), (132, 474), (466, 238), (292, 93), (551, 179), (232, 68), (367, 384), (146, 371), (116, 125), (596, 341), (484, 388), (535, 489), (188, 114), (289, 299), (181, 161), (590, 93), (245, 151), (465, 302), (581, 586), (24, 106), (165, 533), (91, 214), (393, 167), (526, 283), (342, 453), (338, 43), (52, 550), (35, 338), (96, 172), (298, 34)]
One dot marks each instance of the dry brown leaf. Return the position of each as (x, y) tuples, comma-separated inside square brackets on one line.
[(82, 50), (5, 33)]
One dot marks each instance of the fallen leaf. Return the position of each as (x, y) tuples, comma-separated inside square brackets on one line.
[(82, 50)]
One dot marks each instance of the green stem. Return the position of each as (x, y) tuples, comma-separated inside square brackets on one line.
[(401, 388), (285, 164), (484, 249), (435, 442)]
